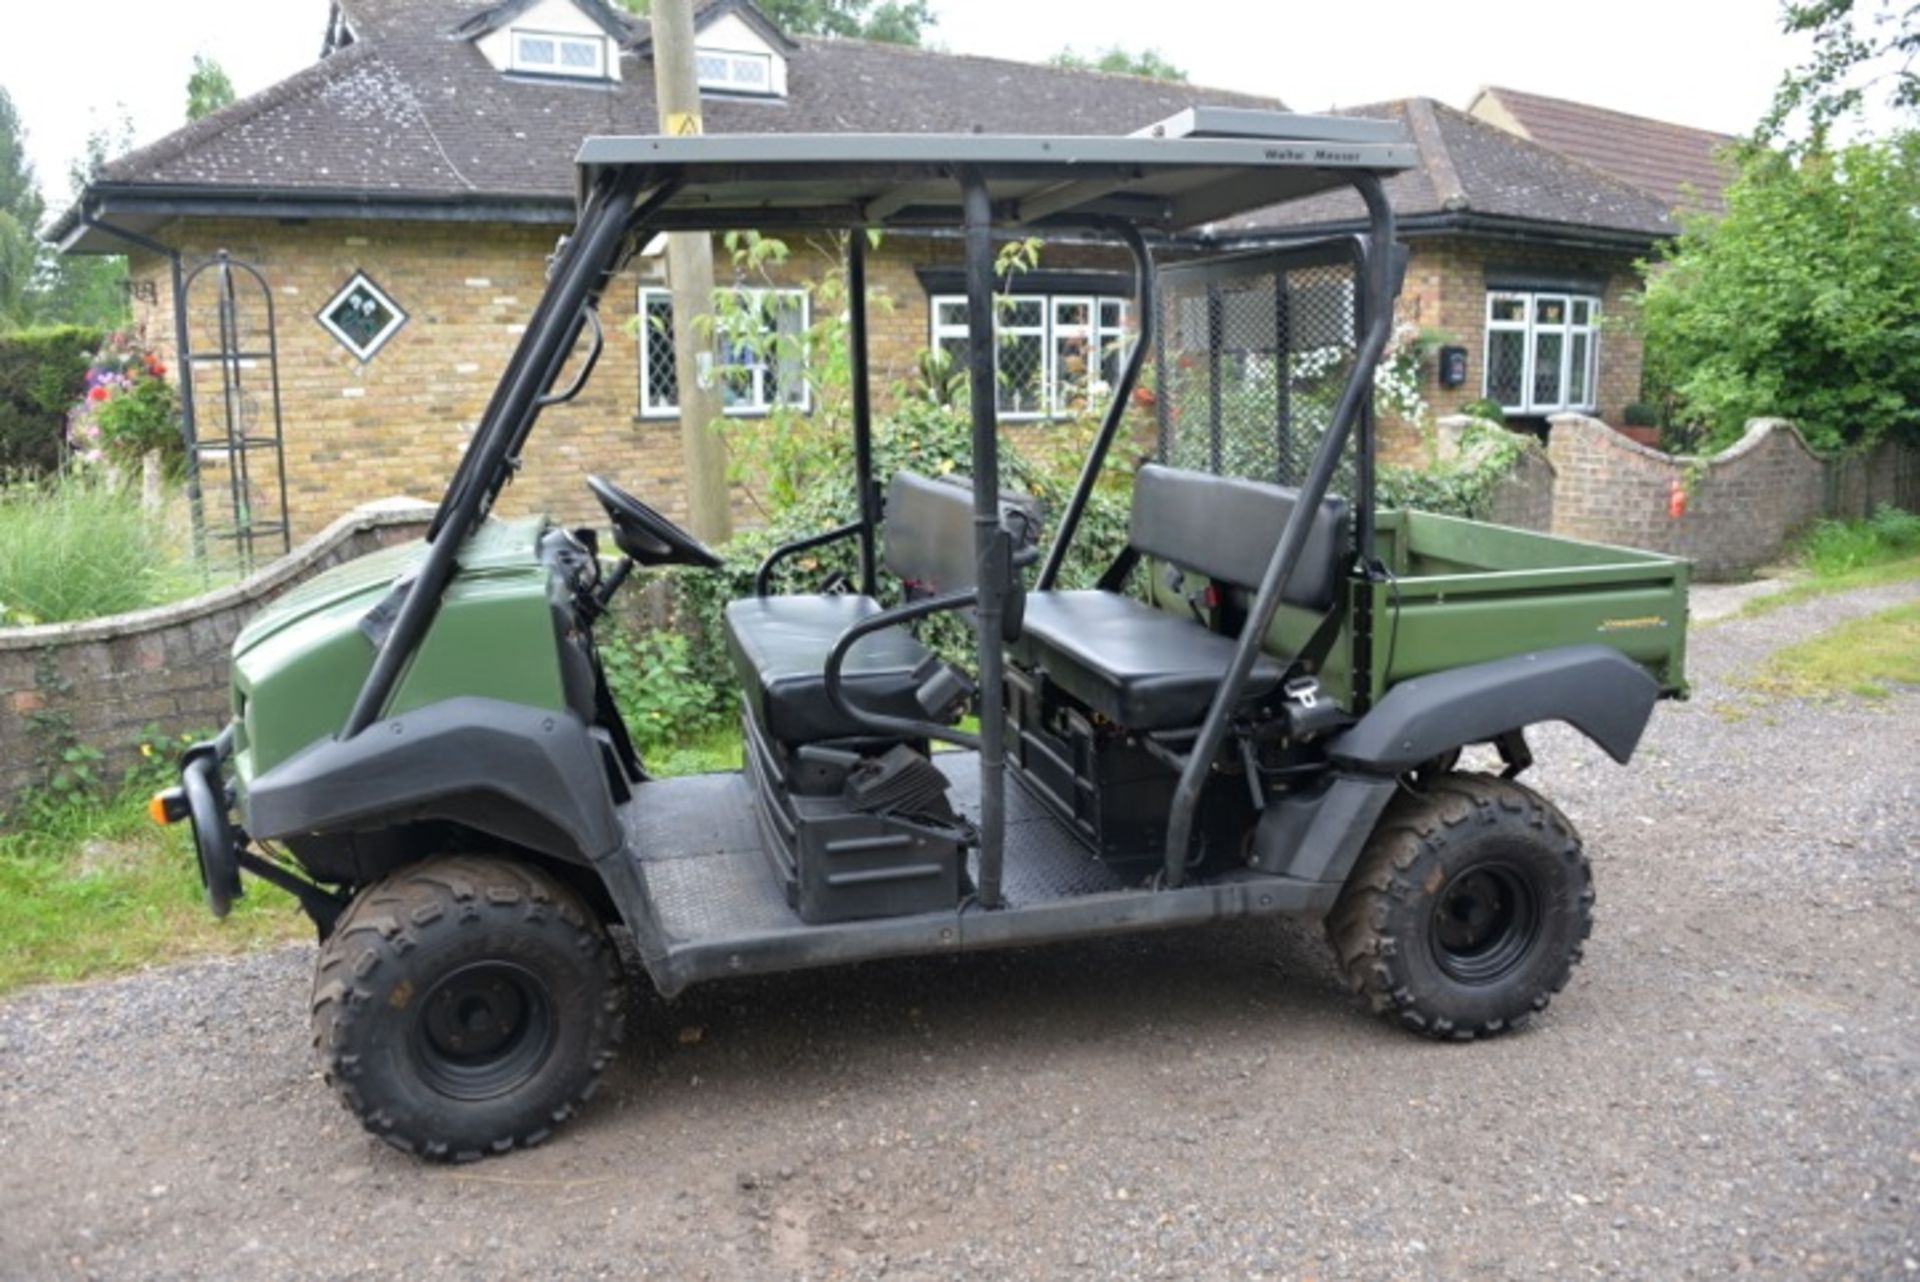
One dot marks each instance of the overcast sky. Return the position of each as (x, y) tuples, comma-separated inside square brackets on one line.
[(1711, 63)]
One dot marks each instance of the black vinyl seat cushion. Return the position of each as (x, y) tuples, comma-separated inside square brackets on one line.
[(779, 647), (1138, 666)]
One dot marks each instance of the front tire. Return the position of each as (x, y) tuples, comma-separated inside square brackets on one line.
[(466, 1006), (1467, 910)]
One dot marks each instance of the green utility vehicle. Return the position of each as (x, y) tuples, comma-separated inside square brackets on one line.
[(1258, 710)]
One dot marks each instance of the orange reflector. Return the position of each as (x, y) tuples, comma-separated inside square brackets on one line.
[(157, 809)]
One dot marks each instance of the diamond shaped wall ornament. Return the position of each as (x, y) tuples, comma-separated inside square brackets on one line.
[(362, 317)]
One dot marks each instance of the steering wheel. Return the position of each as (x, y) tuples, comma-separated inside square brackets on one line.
[(645, 535)]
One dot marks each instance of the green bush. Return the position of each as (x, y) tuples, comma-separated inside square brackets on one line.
[(1838, 547), (1462, 485), (1800, 301), (1486, 409), (79, 550), (42, 375), (661, 695)]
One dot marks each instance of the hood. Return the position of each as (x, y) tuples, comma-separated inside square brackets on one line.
[(495, 545)]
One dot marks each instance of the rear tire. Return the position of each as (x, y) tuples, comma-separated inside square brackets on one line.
[(1467, 910), (465, 1006)]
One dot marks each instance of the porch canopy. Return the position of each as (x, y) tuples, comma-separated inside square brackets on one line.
[(1198, 167)]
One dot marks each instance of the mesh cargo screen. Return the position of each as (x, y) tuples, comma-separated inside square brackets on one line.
[(1253, 352)]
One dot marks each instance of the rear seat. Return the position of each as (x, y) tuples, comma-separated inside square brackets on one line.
[(1151, 669), (779, 644)]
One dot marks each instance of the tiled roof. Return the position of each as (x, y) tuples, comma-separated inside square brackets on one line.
[(412, 111), (1676, 163), (407, 108), (1468, 167)]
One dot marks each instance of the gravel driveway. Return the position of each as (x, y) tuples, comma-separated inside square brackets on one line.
[(1730, 1086)]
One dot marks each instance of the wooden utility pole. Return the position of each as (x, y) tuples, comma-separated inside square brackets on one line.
[(690, 273)]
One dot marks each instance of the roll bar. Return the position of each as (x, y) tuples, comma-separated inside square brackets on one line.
[(614, 211), (581, 272), (1354, 400)]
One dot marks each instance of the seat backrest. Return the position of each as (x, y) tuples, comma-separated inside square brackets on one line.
[(928, 531), (1226, 528)]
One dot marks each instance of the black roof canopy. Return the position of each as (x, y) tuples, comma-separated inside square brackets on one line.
[(1159, 180)]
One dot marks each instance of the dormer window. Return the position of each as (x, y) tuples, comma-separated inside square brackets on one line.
[(731, 71), (545, 53)]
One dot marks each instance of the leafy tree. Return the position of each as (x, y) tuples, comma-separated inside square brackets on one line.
[(208, 88), (1147, 62), (1802, 301), (21, 209), (900, 22), (88, 289), (1855, 56)]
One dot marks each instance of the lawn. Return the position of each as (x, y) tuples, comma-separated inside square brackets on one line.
[(1866, 657), (92, 888), (1838, 556)]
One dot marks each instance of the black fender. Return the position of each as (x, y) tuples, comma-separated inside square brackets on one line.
[(1596, 690), (532, 776)]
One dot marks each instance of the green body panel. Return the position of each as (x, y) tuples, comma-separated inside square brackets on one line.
[(1467, 592), (299, 663)]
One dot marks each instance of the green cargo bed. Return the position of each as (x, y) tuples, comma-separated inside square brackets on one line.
[(1467, 592)]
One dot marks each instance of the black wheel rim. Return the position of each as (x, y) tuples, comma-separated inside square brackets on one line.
[(1485, 921), (483, 1030)]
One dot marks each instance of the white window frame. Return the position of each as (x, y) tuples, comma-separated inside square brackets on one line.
[(360, 280), (757, 406), (558, 67), (1055, 402), (731, 62), (1530, 329)]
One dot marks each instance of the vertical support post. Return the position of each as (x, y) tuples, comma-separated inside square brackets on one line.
[(862, 405), (1283, 377), (1363, 462), (233, 398), (690, 273), (1216, 332), (189, 424), (1378, 280), (978, 214), (1145, 333)]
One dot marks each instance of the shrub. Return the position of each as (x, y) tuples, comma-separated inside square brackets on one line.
[(1462, 485), (1486, 409), (661, 695), (1800, 300), (42, 373), (80, 550), (1837, 547), (1640, 414)]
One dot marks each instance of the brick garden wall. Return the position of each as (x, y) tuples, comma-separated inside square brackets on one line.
[(1744, 503), (103, 682)]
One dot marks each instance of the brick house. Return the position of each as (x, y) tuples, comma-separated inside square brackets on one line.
[(401, 195)]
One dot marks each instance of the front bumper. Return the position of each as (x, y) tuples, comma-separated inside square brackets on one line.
[(203, 800)]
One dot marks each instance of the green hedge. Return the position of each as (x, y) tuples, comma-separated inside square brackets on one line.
[(42, 375)]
